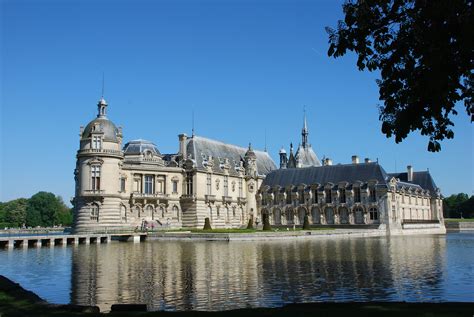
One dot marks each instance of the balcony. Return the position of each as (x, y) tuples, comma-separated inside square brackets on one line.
[(93, 192), (227, 199), (210, 198), (100, 151), (146, 198), (241, 200)]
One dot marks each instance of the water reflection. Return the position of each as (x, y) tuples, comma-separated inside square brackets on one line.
[(217, 276)]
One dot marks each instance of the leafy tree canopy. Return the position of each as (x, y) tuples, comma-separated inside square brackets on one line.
[(424, 50)]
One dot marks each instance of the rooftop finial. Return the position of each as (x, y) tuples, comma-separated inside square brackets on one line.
[(103, 84), (304, 131), (192, 132), (102, 105)]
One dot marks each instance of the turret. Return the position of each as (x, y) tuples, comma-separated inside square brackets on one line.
[(250, 162)]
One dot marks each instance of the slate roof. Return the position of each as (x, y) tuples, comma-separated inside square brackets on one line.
[(201, 148), (307, 156), (423, 179), (104, 126), (140, 146), (327, 174)]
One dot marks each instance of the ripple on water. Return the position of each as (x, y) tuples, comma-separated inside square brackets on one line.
[(217, 276)]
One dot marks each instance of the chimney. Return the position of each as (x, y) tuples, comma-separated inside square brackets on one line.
[(367, 160), (182, 145), (327, 162), (355, 159), (409, 173)]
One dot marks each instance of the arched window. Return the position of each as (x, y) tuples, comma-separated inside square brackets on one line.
[(316, 215), (344, 215), (359, 215), (329, 213), (95, 212), (162, 212), (175, 212), (277, 216), (373, 214), (149, 211), (233, 212), (136, 211), (301, 214), (289, 216), (123, 213)]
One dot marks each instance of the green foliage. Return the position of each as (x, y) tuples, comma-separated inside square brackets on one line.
[(207, 224), (306, 225), (266, 223), (457, 204), (13, 213), (423, 50)]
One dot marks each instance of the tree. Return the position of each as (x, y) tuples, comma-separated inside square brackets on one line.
[(452, 204), (13, 213), (467, 208), (44, 209), (424, 52), (266, 223)]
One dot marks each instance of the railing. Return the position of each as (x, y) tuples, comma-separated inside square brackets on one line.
[(419, 221), (93, 192), (34, 231), (210, 198), (104, 151), (145, 195)]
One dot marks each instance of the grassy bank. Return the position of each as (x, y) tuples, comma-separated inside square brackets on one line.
[(459, 219)]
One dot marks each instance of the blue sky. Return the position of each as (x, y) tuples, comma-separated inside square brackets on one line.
[(244, 67)]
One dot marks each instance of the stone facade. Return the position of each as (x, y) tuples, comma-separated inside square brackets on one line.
[(136, 186)]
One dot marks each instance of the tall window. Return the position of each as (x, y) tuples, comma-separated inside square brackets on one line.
[(189, 184), (342, 193), (373, 194), (373, 213), (95, 212), (241, 188), (275, 197), (226, 185), (175, 187), (149, 180), (357, 194), (96, 142), (302, 196), (161, 186), (288, 196), (328, 196), (95, 176), (209, 184), (122, 184)]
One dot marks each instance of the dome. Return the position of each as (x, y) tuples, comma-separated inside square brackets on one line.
[(140, 147), (103, 125)]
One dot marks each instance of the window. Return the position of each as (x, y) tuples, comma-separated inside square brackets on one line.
[(301, 192), (122, 184), (209, 184), (96, 142), (175, 212), (241, 188), (357, 194), (218, 211), (149, 211), (373, 194), (95, 176), (373, 214), (275, 198), (95, 213), (161, 185), (315, 196), (328, 196), (233, 212), (264, 199), (226, 185), (175, 187), (288, 196), (342, 193), (149, 180), (189, 184), (162, 212)]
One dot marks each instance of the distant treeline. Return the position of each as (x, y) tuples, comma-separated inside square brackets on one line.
[(458, 205), (42, 209)]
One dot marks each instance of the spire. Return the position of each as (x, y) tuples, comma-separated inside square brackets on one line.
[(192, 133), (304, 131), (102, 105)]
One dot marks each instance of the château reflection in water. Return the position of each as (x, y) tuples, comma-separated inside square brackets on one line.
[(226, 275)]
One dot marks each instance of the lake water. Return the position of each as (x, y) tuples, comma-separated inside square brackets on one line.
[(225, 275)]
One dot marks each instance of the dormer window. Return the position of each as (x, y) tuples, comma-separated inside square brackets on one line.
[(328, 195), (96, 142), (357, 194)]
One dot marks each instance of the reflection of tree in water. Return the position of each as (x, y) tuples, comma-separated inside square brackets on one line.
[(216, 276)]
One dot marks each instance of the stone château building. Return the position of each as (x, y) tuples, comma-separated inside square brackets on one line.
[(125, 187)]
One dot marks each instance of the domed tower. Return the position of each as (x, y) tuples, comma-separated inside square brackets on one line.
[(98, 166), (250, 162)]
